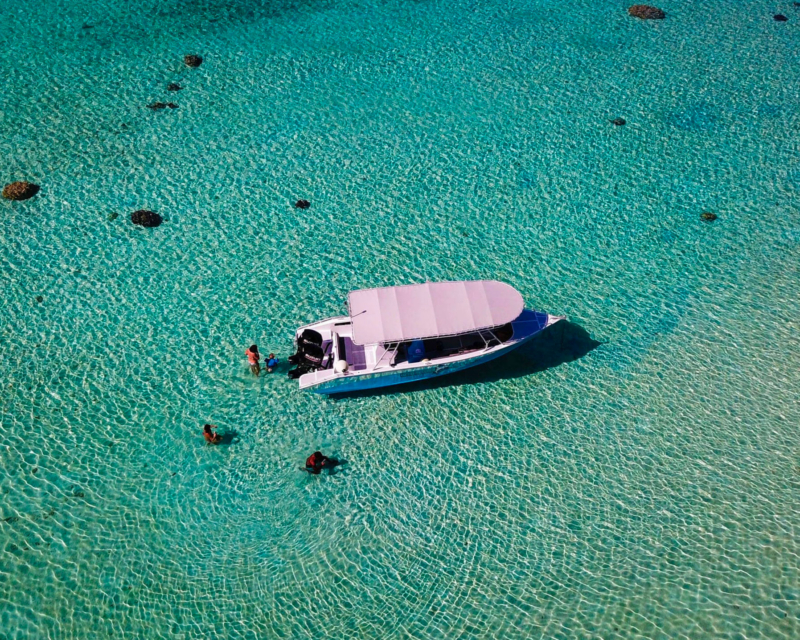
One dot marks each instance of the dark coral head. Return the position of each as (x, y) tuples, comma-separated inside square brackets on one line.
[(145, 218), (20, 190), (646, 12)]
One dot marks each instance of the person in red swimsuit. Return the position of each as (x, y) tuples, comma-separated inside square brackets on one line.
[(253, 358), (211, 436), (315, 462)]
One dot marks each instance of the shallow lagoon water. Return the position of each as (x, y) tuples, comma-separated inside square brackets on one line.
[(633, 475)]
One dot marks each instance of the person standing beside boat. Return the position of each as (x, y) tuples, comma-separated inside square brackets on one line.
[(253, 358)]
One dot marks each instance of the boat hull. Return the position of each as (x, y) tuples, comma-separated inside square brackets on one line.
[(365, 382)]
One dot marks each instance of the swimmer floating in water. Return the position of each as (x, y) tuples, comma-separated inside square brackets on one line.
[(211, 436), (316, 461), (253, 357), (272, 363)]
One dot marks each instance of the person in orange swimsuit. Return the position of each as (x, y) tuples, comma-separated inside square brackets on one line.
[(253, 358), (211, 436)]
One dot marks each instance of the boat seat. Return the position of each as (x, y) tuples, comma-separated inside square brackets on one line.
[(354, 354), (327, 354)]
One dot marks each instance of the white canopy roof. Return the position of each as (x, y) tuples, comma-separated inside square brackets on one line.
[(431, 310)]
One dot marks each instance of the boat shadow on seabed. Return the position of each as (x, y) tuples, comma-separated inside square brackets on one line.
[(564, 342)]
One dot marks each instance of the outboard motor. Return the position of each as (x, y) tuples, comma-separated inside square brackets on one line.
[(308, 337), (309, 354)]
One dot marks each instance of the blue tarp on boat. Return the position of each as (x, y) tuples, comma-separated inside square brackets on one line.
[(416, 351)]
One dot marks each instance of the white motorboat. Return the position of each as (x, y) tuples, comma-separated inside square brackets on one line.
[(395, 335)]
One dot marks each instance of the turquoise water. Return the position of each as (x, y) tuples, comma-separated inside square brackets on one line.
[(635, 475)]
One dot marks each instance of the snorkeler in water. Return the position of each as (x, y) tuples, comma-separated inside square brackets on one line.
[(211, 436), (316, 461)]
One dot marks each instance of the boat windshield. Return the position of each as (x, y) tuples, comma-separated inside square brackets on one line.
[(420, 350)]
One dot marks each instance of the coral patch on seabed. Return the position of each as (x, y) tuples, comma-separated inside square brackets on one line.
[(646, 12), (145, 218), (20, 190), (193, 61), (302, 204)]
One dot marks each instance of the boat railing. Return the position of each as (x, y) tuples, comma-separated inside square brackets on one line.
[(335, 354), (488, 342), (482, 341), (324, 321), (390, 350)]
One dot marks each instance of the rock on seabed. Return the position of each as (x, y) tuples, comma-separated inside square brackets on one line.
[(646, 12), (193, 61)]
